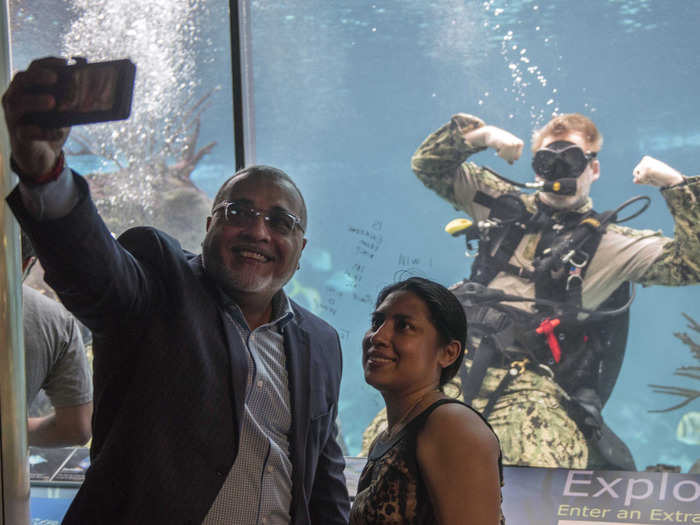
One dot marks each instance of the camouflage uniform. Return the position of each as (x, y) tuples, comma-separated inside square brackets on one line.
[(530, 417)]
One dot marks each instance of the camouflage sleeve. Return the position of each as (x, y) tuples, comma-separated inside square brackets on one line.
[(679, 262), (439, 162)]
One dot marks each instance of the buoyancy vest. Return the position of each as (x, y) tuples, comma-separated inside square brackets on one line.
[(583, 356)]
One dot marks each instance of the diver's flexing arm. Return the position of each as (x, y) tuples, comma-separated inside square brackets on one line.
[(677, 265), (439, 162), (653, 172), (508, 146)]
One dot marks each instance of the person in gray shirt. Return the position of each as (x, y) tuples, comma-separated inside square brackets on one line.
[(56, 362)]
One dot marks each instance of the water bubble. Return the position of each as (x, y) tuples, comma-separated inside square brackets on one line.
[(550, 102), (481, 102), (498, 11)]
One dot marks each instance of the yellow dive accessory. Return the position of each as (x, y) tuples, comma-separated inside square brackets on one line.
[(457, 226)]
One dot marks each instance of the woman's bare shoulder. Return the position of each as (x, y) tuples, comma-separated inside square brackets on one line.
[(456, 424)]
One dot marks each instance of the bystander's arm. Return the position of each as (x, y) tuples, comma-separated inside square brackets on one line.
[(57, 363), (67, 426)]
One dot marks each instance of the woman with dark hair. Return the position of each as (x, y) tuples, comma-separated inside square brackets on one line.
[(438, 461)]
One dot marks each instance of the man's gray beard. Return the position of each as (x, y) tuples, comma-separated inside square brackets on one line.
[(224, 277)]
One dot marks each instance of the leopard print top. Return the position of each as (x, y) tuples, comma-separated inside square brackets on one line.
[(391, 489)]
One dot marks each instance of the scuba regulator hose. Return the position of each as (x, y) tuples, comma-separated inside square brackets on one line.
[(568, 187)]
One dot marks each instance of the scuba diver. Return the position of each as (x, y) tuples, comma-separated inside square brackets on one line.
[(548, 296)]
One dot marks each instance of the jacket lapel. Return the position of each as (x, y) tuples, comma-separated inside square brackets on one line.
[(239, 366), (238, 360), (296, 344)]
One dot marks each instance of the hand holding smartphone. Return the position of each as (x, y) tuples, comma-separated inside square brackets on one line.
[(87, 93)]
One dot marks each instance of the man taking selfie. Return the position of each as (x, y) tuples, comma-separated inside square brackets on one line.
[(215, 395)]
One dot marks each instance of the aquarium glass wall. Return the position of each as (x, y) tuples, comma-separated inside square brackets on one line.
[(345, 92)]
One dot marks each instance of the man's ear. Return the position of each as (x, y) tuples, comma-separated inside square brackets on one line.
[(450, 353), (208, 223), (595, 169)]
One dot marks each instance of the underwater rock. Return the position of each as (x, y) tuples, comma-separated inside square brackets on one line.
[(152, 196)]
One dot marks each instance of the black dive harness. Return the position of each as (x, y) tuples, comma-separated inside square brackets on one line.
[(583, 356)]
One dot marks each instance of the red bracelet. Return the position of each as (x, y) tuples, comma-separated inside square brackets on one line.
[(46, 177)]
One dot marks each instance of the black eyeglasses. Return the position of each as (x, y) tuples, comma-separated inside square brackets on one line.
[(561, 159), (242, 215)]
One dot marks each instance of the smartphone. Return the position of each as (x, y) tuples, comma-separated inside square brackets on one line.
[(87, 93)]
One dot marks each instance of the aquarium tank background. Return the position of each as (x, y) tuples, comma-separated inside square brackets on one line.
[(344, 92)]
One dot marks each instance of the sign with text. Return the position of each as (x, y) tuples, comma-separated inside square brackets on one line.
[(533, 496)]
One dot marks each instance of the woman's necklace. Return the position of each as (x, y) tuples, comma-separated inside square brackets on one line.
[(391, 431)]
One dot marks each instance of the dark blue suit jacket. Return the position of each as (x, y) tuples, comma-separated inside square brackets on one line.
[(170, 375)]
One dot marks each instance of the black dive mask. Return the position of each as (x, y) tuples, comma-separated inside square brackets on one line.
[(561, 159)]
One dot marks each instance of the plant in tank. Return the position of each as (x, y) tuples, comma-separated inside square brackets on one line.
[(693, 372)]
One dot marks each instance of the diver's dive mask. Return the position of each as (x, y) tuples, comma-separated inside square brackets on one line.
[(561, 159)]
